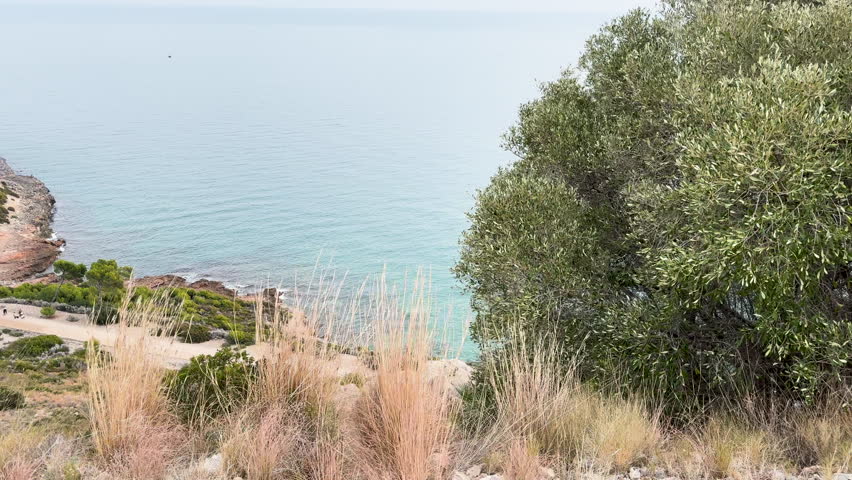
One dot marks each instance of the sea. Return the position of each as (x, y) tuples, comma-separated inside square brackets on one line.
[(259, 146)]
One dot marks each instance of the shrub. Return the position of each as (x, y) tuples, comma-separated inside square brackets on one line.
[(679, 210), (105, 314), (240, 338), (10, 399), (192, 333), (48, 312), (211, 385), (32, 347)]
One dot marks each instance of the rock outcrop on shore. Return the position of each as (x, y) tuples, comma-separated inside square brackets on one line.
[(25, 245), (160, 281)]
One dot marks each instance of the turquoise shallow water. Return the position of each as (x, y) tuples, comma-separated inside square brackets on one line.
[(270, 138)]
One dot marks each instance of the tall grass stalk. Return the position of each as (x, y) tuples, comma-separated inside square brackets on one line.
[(403, 418), (541, 400), (132, 428)]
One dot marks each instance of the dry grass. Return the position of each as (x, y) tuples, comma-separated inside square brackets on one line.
[(522, 460), (31, 453), (626, 433), (265, 445), (132, 429), (731, 448), (825, 439), (19, 468), (404, 425), (329, 461), (539, 400), (17, 443), (295, 376), (404, 419)]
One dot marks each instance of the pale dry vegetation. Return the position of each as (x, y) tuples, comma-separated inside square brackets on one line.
[(305, 418), (133, 430)]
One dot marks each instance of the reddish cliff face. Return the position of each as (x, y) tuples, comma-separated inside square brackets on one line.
[(25, 247)]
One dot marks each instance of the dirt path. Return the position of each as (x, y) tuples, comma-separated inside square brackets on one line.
[(176, 354), (173, 353)]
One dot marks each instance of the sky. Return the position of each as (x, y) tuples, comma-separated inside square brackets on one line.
[(561, 6)]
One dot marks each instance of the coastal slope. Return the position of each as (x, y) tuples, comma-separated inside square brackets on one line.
[(25, 245)]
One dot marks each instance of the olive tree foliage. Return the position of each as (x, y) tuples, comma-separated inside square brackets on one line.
[(680, 213)]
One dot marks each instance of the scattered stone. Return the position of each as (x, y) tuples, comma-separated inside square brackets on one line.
[(455, 372), (545, 472), (492, 477), (843, 476), (474, 471), (635, 473), (459, 476), (212, 464), (218, 334), (345, 364), (777, 475), (808, 472)]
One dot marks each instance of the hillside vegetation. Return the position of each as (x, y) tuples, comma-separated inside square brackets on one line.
[(102, 291)]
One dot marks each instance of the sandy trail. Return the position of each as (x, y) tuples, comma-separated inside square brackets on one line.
[(174, 353)]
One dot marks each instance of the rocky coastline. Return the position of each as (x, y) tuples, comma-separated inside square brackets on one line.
[(26, 246), (161, 281)]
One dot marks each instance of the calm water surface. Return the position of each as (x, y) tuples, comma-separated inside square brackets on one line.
[(270, 138)]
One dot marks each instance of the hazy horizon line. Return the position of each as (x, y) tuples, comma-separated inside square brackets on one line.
[(584, 8)]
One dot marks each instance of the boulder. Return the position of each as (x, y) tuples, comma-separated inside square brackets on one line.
[(455, 372), (474, 471)]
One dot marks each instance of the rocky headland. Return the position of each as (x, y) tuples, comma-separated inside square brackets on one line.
[(161, 281), (26, 247)]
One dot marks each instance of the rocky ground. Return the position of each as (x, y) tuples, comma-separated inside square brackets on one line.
[(25, 245)]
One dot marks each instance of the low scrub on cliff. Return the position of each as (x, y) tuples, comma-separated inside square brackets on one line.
[(5, 193), (201, 310)]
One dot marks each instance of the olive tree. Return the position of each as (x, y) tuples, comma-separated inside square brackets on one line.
[(680, 213)]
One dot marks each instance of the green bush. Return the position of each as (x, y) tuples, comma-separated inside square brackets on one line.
[(240, 338), (103, 293), (192, 333), (680, 211), (48, 312), (32, 347), (105, 314), (10, 399), (211, 385)]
